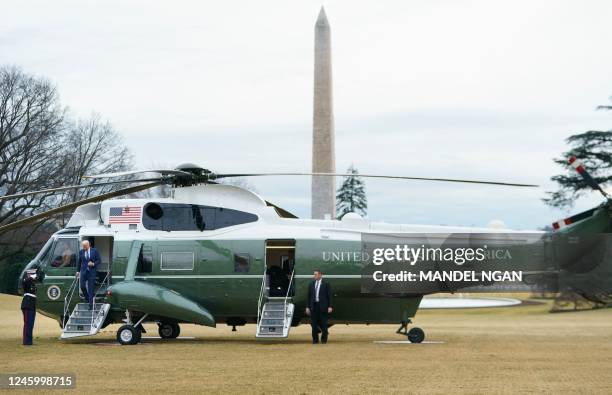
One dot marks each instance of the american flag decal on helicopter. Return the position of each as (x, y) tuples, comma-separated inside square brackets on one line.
[(124, 215)]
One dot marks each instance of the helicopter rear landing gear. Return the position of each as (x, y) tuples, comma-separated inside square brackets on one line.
[(168, 330), (414, 335)]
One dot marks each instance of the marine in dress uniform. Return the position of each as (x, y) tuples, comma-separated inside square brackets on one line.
[(28, 305)]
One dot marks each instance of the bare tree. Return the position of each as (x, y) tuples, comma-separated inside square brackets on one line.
[(31, 130), (161, 191), (41, 149), (91, 146)]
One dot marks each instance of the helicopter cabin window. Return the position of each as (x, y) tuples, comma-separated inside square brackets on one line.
[(192, 217), (64, 252), (177, 261), (242, 263)]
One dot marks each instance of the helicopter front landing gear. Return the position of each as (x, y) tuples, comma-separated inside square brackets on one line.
[(168, 330), (130, 334), (414, 335)]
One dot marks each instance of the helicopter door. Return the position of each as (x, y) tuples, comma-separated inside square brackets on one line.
[(280, 261)]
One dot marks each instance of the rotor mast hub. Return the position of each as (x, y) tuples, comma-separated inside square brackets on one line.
[(198, 175)]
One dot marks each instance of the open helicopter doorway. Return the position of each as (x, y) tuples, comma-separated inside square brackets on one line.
[(275, 307), (104, 245), (87, 319), (280, 263)]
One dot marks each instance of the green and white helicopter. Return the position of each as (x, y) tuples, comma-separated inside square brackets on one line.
[(213, 253)]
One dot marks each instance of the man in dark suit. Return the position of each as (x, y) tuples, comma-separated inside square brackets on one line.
[(319, 306), (89, 259)]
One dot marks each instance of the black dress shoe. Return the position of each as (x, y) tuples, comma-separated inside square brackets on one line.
[(315, 342)]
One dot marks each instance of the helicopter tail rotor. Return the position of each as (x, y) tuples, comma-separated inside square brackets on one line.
[(590, 181), (573, 219), (579, 167)]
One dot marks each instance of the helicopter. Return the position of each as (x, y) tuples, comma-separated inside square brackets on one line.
[(213, 253)]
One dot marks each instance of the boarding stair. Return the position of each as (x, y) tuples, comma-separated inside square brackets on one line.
[(274, 313), (83, 321)]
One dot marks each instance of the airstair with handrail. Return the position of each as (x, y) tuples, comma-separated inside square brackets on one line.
[(274, 313), (82, 320)]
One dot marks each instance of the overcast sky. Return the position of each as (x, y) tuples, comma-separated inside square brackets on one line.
[(470, 89)]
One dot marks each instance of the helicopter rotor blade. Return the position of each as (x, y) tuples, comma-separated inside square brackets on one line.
[(573, 219), (217, 176), (65, 188), (49, 213), (281, 211), (129, 173)]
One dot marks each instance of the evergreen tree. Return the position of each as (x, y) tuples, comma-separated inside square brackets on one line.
[(351, 196), (594, 150)]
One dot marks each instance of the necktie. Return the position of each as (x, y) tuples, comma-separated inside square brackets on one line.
[(87, 256), (317, 290)]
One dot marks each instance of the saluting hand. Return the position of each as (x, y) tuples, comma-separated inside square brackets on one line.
[(329, 310), (307, 311)]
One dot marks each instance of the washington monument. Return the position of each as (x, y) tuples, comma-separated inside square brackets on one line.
[(323, 146)]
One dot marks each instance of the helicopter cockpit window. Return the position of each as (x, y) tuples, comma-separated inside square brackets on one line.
[(43, 254), (64, 253), (193, 217)]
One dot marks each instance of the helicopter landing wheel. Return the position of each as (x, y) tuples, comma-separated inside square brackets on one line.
[(128, 335), (415, 335), (168, 330), (176, 331)]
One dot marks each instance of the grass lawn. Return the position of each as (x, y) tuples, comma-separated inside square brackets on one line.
[(496, 350)]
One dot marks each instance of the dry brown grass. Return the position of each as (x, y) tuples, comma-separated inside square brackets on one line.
[(500, 350)]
